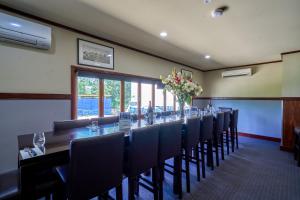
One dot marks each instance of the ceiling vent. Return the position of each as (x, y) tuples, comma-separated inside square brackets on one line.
[(237, 72)]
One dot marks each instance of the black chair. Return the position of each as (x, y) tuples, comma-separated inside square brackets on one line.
[(9, 185), (70, 124), (142, 155), (190, 143), (206, 137), (134, 117), (108, 120), (226, 129), (218, 136), (233, 129), (224, 109), (95, 167), (297, 145), (170, 147)]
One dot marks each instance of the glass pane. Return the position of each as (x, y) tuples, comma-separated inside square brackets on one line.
[(146, 96), (131, 97), (88, 97), (159, 100), (169, 101), (186, 106), (112, 97)]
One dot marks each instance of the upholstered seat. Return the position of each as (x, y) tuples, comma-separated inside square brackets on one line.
[(9, 185)]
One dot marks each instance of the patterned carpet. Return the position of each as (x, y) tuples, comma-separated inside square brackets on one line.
[(258, 170)]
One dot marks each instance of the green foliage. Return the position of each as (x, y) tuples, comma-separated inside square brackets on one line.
[(88, 86)]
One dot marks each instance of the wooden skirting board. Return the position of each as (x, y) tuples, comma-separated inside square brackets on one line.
[(261, 137)]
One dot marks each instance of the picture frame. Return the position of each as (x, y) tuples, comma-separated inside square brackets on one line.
[(94, 55), (187, 73)]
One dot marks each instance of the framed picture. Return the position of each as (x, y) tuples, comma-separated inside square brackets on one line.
[(187, 73), (95, 55)]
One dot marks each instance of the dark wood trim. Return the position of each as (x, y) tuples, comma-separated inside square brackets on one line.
[(22, 96), (241, 66), (283, 148), (165, 100), (153, 96), (139, 99), (101, 97), (290, 52), (95, 70), (28, 15), (122, 96), (261, 137), (174, 103), (73, 94), (240, 98), (249, 98)]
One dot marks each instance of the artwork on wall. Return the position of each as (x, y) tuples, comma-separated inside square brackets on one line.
[(186, 73), (95, 55)]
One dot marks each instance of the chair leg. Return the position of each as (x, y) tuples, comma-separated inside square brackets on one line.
[(227, 141), (131, 184), (155, 183), (160, 181), (119, 192), (196, 152), (211, 154), (217, 153), (298, 157), (222, 146), (187, 169), (237, 138), (202, 159), (179, 171), (232, 137)]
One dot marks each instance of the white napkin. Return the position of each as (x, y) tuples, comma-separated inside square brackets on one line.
[(25, 154)]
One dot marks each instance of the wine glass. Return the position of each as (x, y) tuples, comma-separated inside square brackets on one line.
[(94, 125), (39, 139)]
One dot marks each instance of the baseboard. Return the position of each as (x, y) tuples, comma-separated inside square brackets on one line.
[(261, 137)]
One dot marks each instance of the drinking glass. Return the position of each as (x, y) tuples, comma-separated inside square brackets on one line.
[(94, 125), (39, 139)]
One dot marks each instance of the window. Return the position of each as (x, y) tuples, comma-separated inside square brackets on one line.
[(112, 98), (169, 101), (88, 97), (102, 93), (146, 96), (159, 100), (131, 97)]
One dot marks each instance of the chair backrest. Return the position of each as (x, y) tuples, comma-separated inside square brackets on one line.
[(134, 117), (96, 165), (142, 151), (219, 125), (234, 118), (223, 109), (169, 140), (191, 137), (108, 120), (206, 128), (226, 120), (70, 124)]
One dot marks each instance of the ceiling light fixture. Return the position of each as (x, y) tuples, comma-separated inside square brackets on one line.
[(219, 11), (207, 56), (207, 1), (15, 24), (163, 34)]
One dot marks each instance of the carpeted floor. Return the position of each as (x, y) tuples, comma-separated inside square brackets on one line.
[(258, 170)]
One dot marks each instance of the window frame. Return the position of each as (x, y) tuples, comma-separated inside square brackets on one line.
[(133, 78)]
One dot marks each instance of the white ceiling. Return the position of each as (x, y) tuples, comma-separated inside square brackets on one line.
[(251, 31)]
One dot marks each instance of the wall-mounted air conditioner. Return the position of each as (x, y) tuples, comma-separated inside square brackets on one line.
[(17, 30), (237, 72)]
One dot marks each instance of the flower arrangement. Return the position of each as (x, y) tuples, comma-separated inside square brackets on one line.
[(184, 88)]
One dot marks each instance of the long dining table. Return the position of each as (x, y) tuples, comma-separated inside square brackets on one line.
[(57, 144)]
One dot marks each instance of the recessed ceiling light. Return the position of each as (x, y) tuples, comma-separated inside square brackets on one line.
[(163, 34), (207, 56), (15, 24), (207, 1), (109, 55)]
